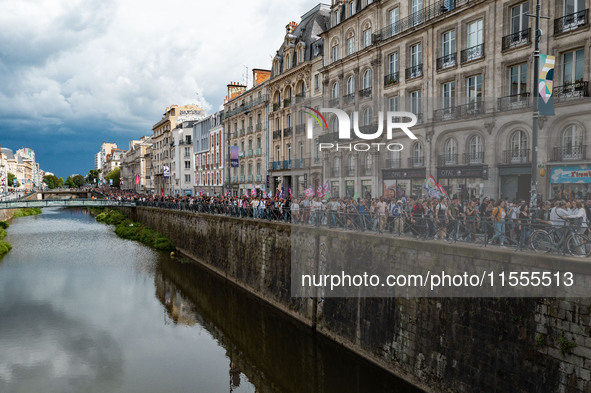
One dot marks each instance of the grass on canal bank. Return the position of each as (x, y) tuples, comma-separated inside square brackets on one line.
[(4, 245), (128, 229), (27, 211)]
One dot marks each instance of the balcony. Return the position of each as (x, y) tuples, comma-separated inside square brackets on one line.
[(249, 153), (328, 138), (249, 178), (365, 93), (258, 152), (414, 71), (349, 98), (393, 163), (286, 102), (242, 178), (234, 179), (447, 160), (276, 165), (516, 101), (474, 158), (473, 53), (276, 106), (349, 171), (299, 163), (258, 178), (242, 132), (417, 161), (391, 79), (259, 126), (569, 153), (365, 171), (446, 61), (571, 91), (277, 134), (287, 132), (517, 39), (299, 98), (459, 112), (516, 156), (286, 164), (333, 102), (249, 129), (300, 129), (571, 22)]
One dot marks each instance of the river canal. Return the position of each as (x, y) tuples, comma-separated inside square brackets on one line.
[(82, 310)]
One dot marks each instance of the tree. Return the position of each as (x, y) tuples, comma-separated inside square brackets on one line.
[(115, 174), (52, 181), (11, 178), (78, 180), (70, 183), (93, 176)]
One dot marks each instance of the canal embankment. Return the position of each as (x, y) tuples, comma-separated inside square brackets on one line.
[(530, 344)]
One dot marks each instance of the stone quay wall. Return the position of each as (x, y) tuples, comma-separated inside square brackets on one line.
[(452, 344)]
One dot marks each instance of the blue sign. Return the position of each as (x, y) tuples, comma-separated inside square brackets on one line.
[(110, 182), (14, 182), (571, 174), (234, 157), (166, 172)]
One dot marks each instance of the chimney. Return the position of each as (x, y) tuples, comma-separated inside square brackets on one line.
[(259, 76), (235, 89), (290, 27)]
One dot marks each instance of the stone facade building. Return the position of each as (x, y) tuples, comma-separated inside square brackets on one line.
[(208, 146), (465, 68), (135, 167)]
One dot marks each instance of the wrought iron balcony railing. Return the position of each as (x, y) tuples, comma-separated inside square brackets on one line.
[(258, 152), (259, 178), (300, 129), (287, 132), (286, 164), (286, 102), (393, 163), (446, 61), (414, 71), (249, 153), (569, 153), (514, 40), (571, 91), (473, 53), (276, 165), (365, 171), (276, 106), (516, 101), (349, 98), (474, 158), (333, 102), (447, 159), (349, 171), (249, 178), (416, 161), (571, 22), (364, 93), (277, 134), (299, 163), (459, 112), (391, 79), (259, 126), (516, 156)]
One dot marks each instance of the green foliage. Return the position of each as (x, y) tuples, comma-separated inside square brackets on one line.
[(115, 174), (128, 229), (69, 182), (4, 247), (28, 211), (78, 181), (2, 233), (52, 181), (4, 224), (11, 178), (540, 340), (566, 346), (93, 176)]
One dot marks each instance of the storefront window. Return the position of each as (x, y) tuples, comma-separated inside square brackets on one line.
[(366, 189), (334, 189), (350, 188)]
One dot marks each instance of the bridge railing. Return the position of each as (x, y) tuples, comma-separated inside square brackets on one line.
[(66, 203)]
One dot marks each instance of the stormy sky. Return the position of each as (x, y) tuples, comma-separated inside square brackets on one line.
[(76, 73)]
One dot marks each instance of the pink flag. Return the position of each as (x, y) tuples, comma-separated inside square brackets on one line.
[(320, 191), (309, 192), (253, 192)]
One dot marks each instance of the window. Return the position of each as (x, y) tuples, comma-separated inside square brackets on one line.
[(448, 49), (352, 8), (518, 145), (415, 9), (258, 168), (350, 45), (451, 151), (518, 79), (475, 48), (277, 153), (416, 68), (287, 63), (417, 154), (573, 6), (187, 151), (249, 169), (366, 38), (187, 164), (367, 79), (519, 18), (415, 102), (574, 64), (335, 90), (277, 124), (336, 166), (289, 152), (392, 63), (316, 81), (475, 150), (393, 18), (187, 178), (335, 52), (572, 143), (334, 124), (393, 104), (474, 89), (301, 149), (259, 142), (367, 116), (350, 85), (448, 92)]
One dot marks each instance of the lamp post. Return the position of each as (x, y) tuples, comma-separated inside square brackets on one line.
[(536, 113)]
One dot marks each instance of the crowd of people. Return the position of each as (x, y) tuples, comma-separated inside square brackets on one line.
[(501, 222)]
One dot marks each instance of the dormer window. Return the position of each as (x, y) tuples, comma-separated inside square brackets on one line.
[(287, 62)]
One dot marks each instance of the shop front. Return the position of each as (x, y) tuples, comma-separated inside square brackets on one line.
[(515, 182), (398, 183), (570, 182), (464, 182)]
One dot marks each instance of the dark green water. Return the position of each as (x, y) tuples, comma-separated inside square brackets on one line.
[(82, 310)]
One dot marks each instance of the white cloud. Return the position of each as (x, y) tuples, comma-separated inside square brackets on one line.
[(126, 61)]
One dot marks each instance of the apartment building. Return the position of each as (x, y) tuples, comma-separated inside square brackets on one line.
[(245, 122), (295, 85), (208, 146), (465, 69), (135, 173), (182, 165), (100, 158), (163, 142)]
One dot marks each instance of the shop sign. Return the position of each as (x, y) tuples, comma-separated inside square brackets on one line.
[(571, 174)]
